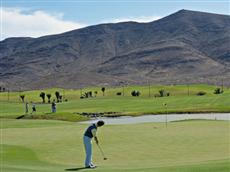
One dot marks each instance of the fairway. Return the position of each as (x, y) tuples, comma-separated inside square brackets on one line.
[(55, 146), (179, 101)]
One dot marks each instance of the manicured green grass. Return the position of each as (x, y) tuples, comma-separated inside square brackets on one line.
[(178, 102), (129, 105), (53, 146), (174, 90)]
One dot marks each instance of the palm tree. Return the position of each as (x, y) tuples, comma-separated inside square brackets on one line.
[(57, 94), (43, 96), (48, 96), (103, 90), (22, 97)]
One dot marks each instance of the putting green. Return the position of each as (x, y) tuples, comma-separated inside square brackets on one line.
[(53, 146)]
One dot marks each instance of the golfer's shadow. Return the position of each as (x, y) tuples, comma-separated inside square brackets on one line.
[(75, 169)]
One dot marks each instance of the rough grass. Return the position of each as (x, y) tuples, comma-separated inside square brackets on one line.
[(53, 146)]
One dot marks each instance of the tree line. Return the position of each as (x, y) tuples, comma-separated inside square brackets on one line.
[(135, 93), (43, 95)]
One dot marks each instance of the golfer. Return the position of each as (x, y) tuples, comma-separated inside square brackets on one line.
[(88, 135)]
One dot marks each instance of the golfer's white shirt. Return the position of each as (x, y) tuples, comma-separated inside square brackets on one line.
[(94, 132)]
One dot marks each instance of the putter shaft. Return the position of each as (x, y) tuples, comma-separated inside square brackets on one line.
[(102, 153)]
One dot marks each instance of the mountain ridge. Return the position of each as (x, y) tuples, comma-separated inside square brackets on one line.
[(184, 47)]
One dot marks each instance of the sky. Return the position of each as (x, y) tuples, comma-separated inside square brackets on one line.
[(35, 18)]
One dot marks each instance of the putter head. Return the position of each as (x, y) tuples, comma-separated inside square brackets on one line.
[(105, 158)]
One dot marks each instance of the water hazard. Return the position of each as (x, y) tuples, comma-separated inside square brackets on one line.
[(161, 118)]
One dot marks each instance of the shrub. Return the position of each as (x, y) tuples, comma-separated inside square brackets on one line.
[(118, 93), (201, 93), (87, 95), (218, 91), (135, 93), (90, 94), (163, 93)]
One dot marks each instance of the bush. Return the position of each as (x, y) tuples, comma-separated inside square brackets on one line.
[(163, 93), (87, 95), (118, 93), (135, 93), (201, 93), (218, 91)]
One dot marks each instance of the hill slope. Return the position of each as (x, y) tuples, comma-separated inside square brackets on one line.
[(186, 46)]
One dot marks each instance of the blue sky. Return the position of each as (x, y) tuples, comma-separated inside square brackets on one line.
[(36, 18)]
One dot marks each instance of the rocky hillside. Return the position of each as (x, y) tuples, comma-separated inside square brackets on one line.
[(185, 47)]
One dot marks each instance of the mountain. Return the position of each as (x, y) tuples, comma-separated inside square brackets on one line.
[(184, 47)]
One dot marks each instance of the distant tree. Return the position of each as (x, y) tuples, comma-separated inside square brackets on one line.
[(162, 93), (57, 94), (49, 97), (22, 97), (218, 91), (135, 93), (3, 89), (95, 93), (103, 90), (43, 96), (0, 89)]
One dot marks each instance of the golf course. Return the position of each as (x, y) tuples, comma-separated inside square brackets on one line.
[(53, 146), (181, 99), (115, 86), (32, 144)]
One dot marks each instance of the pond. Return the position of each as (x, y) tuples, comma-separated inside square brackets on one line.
[(160, 118)]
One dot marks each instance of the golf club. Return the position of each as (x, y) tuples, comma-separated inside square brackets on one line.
[(102, 153)]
